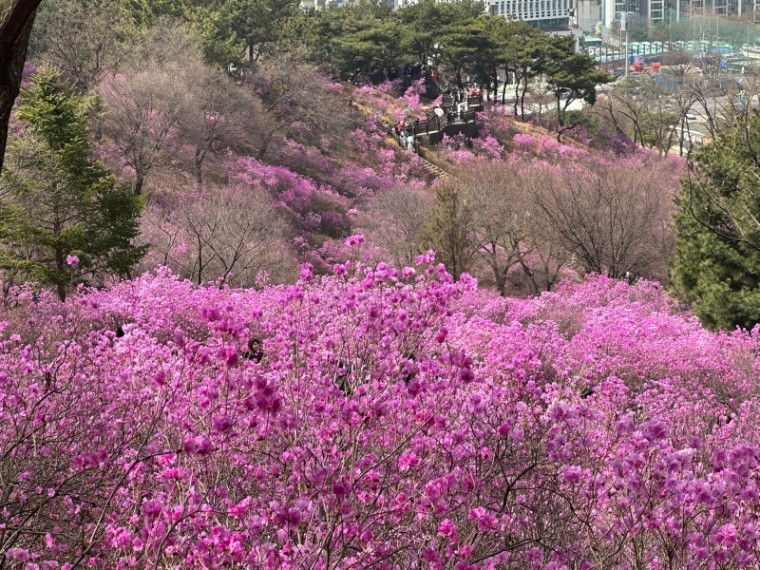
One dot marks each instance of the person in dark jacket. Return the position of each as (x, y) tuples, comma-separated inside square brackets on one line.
[(255, 350)]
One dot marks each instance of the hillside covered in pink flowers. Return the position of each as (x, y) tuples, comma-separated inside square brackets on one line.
[(397, 419), (226, 341)]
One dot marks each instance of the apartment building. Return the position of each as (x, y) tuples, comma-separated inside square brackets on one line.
[(587, 16), (551, 14), (542, 13)]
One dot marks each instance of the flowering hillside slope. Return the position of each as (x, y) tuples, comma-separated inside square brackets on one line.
[(396, 420)]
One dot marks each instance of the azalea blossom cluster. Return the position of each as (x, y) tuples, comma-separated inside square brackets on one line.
[(396, 419), (500, 135)]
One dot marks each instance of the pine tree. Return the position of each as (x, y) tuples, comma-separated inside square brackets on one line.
[(449, 231), (716, 269), (64, 217)]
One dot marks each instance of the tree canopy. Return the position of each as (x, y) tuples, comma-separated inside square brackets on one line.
[(64, 217), (717, 264)]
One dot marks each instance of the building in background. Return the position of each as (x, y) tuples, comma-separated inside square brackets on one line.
[(396, 4), (590, 16), (612, 11), (648, 12), (547, 14), (587, 16)]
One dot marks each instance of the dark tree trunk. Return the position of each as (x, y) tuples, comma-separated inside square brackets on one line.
[(200, 155), (504, 88), (60, 265), (517, 94), (16, 20), (522, 96), (500, 279), (137, 188), (562, 130)]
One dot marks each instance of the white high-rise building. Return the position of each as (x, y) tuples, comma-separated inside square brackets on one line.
[(588, 15), (543, 13), (401, 3), (612, 10)]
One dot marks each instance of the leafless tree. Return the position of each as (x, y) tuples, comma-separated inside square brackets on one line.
[(504, 229), (143, 109), (499, 203), (146, 102), (680, 69), (299, 102), (482, 219), (544, 263), (613, 218), (644, 111), (82, 38), (683, 102), (609, 110), (625, 112), (393, 219), (227, 234), (220, 115), (167, 41)]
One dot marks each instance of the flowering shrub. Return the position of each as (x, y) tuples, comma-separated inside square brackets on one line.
[(396, 420), (611, 141), (314, 207), (363, 182), (383, 98), (385, 156), (523, 140), (546, 147), (460, 148), (305, 160), (26, 74), (455, 148), (412, 95)]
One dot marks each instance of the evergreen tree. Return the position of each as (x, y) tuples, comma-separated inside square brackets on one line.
[(449, 231), (717, 264), (467, 46), (572, 76), (361, 38), (64, 216)]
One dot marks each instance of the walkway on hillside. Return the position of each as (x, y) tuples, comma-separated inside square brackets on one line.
[(449, 116), (433, 169), (455, 115)]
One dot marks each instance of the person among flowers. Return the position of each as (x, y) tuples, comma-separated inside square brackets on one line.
[(255, 350)]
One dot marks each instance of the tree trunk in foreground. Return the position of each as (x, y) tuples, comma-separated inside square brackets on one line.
[(16, 20)]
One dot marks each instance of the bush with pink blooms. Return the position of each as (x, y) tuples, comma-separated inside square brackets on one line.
[(460, 148), (397, 419), (312, 207), (383, 98)]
